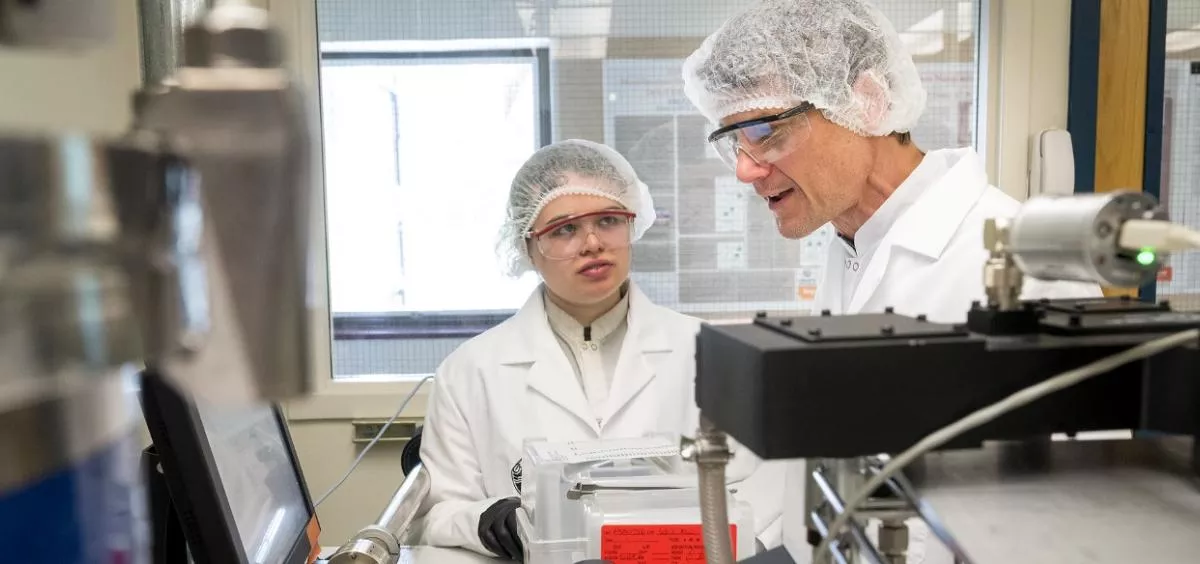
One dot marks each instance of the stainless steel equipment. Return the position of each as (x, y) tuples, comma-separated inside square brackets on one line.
[(182, 245), (217, 165), (380, 542), (1075, 238), (748, 385)]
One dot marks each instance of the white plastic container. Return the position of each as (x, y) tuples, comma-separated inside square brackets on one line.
[(589, 500)]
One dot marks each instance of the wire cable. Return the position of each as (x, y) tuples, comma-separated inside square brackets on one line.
[(986, 414), (1157, 235), (366, 449)]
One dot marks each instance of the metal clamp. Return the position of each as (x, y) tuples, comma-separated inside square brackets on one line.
[(1002, 279)]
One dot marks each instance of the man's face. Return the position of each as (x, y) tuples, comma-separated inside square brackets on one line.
[(816, 180)]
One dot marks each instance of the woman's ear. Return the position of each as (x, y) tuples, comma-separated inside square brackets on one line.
[(873, 98)]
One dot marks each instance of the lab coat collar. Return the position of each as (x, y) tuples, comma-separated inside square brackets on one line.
[(572, 331), (931, 222), (550, 373)]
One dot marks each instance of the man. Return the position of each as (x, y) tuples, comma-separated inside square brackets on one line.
[(814, 101)]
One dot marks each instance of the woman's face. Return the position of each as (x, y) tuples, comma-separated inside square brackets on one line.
[(582, 247)]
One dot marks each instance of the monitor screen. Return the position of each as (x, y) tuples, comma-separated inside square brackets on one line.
[(255, 465), (232, 479)]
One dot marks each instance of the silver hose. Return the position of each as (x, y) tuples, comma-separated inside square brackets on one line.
[(710, 452), (714, 514)]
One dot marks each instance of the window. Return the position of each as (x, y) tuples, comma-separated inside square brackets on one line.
[(1180, 280), (421, 144)]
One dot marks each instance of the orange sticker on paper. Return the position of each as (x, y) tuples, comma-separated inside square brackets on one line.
[(655, 544)]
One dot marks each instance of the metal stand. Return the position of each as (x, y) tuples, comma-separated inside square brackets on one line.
[(831, 480), (167, 540)]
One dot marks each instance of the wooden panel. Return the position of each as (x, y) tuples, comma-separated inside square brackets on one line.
[(1121, 99)]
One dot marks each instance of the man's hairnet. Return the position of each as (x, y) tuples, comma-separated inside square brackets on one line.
[(569, 167), (842, 56)]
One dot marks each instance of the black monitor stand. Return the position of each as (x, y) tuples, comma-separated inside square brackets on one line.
[(168, 545)]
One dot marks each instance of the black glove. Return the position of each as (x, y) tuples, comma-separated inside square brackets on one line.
[(498, 529)]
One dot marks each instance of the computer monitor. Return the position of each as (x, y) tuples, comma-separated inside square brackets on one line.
[(233, 478)]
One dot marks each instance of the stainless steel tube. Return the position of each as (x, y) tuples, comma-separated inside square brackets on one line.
[(402, 508), (711, 453), (162, 25), (379, 543)]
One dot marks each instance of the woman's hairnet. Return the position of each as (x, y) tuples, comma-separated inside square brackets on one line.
[(568, 167), (842, 56)]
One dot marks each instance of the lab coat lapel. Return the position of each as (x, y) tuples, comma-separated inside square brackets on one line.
[(927, 226), (549, 373), (829, 291), (644, 341)]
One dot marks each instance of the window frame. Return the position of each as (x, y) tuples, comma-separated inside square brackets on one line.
[(351, 326)]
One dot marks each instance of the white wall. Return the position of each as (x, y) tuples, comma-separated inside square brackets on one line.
[(79, 91), (1029, 61), (1027, 93)]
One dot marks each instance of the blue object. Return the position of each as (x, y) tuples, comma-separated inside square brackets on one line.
[(87, 513)]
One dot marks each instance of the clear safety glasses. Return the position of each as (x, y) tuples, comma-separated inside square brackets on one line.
[(565, 238), (765, 139)]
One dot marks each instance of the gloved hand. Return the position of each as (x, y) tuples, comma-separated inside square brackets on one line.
[(498, 529)]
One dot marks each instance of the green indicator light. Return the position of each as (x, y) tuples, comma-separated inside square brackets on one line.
[(1146, 257)]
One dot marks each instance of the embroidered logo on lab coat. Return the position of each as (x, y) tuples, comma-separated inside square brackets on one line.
[(516, 476)]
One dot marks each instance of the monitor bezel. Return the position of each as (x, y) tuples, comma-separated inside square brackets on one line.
[(194, 483)]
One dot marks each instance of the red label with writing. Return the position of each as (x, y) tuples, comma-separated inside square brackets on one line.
[(655, 544), (1165, 274)]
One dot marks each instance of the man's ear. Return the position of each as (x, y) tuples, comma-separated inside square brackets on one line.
[(873, 98)]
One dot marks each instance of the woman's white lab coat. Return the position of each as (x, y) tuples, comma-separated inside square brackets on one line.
[(930, 262), (514, 382)]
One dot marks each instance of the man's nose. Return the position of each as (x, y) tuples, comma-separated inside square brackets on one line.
[(749, 170)]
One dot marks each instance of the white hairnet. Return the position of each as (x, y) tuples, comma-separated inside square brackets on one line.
[(598, 170), (842, 56)]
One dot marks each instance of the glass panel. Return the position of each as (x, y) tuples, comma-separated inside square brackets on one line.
[(1180, 279), (420, 153)]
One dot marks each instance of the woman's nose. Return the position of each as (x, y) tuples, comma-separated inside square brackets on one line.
[(592, 243)]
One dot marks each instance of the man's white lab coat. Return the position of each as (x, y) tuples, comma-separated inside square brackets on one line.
[(930, 261), (514, 382)]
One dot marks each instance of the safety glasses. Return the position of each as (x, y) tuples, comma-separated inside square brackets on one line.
[(567, 237), (765, 139)]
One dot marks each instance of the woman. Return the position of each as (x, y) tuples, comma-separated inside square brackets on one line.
[(587, 357)]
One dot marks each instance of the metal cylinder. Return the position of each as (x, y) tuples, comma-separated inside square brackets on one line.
[(1075, 238), (379, 543), (162, 27), (242, 126), (362, 551), (402, 508)]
